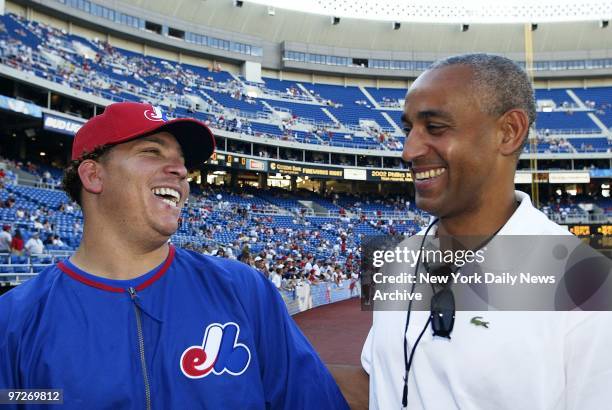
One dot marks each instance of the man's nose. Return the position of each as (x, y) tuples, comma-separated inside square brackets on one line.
[(415, 146), (176, 166)]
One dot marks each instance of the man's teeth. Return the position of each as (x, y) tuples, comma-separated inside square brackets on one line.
[(429, 173), (168, 195), (169, 202)]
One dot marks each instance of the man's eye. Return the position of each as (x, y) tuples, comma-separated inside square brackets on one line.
[(151, 150), (436, 127), (407, 130)]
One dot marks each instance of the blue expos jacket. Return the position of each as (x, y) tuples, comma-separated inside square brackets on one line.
[(197, 332)]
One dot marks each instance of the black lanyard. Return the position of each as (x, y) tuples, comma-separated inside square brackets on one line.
[(408, 360)]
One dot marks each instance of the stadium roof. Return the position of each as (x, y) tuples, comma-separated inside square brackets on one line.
[(453, 11)]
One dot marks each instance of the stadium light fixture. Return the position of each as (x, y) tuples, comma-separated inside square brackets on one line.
[(464, 28), (396, 25), (335, 20), (604, 23), (534, 26), (238, 3), (271, 11), (453, 11)]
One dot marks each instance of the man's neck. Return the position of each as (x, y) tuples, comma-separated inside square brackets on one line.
[(117, 259), (483, 221)]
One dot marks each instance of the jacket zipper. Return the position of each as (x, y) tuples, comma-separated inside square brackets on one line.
[(143, 363)]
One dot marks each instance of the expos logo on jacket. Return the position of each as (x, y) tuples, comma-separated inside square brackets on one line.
[(220, 352)]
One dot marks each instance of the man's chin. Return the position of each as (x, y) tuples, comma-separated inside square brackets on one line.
[(167, 230), (429, 205)]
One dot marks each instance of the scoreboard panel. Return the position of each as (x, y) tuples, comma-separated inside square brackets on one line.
[(588, 230)]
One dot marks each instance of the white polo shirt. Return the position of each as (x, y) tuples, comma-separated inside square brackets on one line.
[(34, 246), (523, 360), (5, 241)]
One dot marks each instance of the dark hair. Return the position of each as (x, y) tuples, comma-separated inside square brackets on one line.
[(71, 182)]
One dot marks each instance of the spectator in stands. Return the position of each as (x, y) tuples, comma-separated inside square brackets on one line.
[(337, 276), (34, 246), (312, 277), (307, 264), (353, 283), (260, 264), (46, 177), (325, 273), (48, 240), (69, 208), (245, 255), (276, 277), (20, 213), (57, 241), (5, 239), (47, 226), (77, 228), (17, 244)]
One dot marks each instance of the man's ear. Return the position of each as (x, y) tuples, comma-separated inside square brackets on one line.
[(514, 125), (90, 173)]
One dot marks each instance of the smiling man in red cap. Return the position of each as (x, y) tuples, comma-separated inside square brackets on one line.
[(129, 321)]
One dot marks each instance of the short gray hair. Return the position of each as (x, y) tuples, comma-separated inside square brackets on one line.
[(501, 84)]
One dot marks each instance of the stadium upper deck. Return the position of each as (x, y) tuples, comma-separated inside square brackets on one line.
[(320, 114)]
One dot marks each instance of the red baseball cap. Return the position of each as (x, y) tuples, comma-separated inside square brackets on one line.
[(125, 121)]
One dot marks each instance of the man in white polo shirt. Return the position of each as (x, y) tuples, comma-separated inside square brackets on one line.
[(34, 245), (5, 239), (466, 120)]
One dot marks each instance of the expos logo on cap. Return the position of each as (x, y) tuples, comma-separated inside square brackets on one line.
[(219, 353), (155, 115), (124, 121)]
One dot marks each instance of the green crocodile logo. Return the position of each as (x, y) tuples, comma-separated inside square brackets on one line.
[(477, 322)]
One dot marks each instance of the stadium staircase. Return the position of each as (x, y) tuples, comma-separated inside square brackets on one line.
[(393, 123), (306, 92), (267, 105), (25, 178), (315, 208), (370, 98), (576, 100), (600, 124), (330, 115)]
